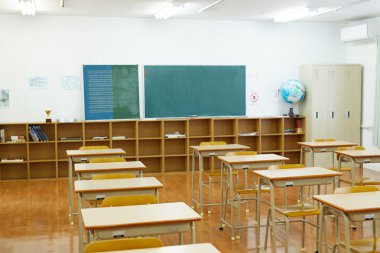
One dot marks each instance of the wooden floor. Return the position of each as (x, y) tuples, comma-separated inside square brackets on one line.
[(34, 218)]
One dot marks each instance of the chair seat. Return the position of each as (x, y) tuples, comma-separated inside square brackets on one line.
[(367, 245), (299, 210), (217, 173), (341, 169)]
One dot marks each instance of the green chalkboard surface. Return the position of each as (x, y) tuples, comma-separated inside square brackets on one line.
[(184, 91)]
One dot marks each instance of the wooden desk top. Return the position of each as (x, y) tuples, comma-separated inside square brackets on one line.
[(368, 153), (140, 183), (250, 159), (327, 144), (94, 167), (95, 152), (352, 202), (189, 248), (215, 148), (140, 215), (300, 173)]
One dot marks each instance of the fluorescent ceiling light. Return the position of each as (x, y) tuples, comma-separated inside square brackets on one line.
[(27, 7), (301, 13), (210, 5), (168, 11)]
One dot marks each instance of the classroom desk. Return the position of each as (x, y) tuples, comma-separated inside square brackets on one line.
[(207, 151), (83, 155), (308, 176), (87, 170), (352, 207), (189, 248), (242, 162), (93, 190), (322, 147), (140, 220), (360, 157)]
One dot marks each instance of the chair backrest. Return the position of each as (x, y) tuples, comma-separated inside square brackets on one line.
[(142, 199), (113, 176), (212, 143), (242, 153), (324, 140), (286, 166), (356, 189), (123, 244), (93, 147), (107, 160)]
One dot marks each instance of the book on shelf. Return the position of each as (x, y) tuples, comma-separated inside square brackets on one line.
[(100, 138), (2, 135), (37, 133), (12, 160), (71, 138), (119, 137), (249, 134), (175, 135)]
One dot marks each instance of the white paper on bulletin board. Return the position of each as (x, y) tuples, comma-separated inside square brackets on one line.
[(38, 82), (70, 83), (4, 98)]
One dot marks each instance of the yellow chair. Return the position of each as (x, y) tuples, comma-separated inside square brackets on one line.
[(300, 209), (129, 200), (93, 147), (347, 169), (242, 190), (213, 176), (123, 244), (324, 140), (107, 160), (111, 175), (365, 245)]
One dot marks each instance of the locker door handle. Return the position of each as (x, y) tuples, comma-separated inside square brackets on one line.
[(332, 115), (348, 114), (316, 115)]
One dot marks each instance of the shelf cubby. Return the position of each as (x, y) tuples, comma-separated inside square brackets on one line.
[(41, 151), (149, 129), (175, 146), (174, 164), (271, 126), (41, 170), (13, 171), (294, 156), (272, 143), (72, 129), (13, 130), (175, 126), (96, 129), (129, 146), (251, 141), (224, 127), (153, 164), (124, 128), (200, 127), (291, 142), (248, 125), (149, 147)]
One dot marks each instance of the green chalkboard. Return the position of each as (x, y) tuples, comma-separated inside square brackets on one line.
[(183, 91)]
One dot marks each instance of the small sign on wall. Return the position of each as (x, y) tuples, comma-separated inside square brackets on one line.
[(38, 82), (4, 98), (253, 98), (70, 83)]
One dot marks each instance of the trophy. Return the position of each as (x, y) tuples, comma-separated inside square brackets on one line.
[(48, 119)]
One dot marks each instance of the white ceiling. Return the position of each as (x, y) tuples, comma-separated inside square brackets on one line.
[(260, 10)]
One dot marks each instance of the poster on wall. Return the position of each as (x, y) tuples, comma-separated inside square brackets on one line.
[(38, 82), (4, 98), (111, 92), (70, 83)]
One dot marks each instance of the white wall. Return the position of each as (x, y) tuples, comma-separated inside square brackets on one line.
[(58, 46)]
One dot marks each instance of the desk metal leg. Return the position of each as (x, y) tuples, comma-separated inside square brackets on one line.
[(347, 233), (71, 208), (222, 204), (200, 184), (192, 226), (273, 217), (80, 223), (258, 206), (232, 211), (192, 180)]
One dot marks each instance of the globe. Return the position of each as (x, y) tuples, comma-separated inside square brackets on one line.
[(293, 91)]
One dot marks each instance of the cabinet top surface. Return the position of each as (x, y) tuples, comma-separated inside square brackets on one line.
[(190, 248), (132, 165), (95, 152), (327, 144), (211, 148), (352, 202), (246, 159), (138, 215), (139, 183), (297, 173)]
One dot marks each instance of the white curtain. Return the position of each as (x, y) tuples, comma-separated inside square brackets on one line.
[(376, 121)]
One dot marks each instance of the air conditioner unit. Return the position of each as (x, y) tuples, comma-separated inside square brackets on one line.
[(361, 32)]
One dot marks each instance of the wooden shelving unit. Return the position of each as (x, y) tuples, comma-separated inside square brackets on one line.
[(144, 140)]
